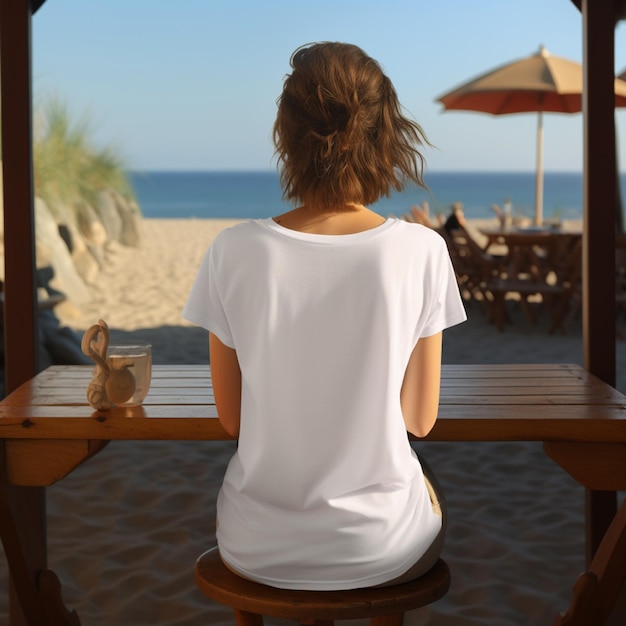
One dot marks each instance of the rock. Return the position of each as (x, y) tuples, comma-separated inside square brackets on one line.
[(131, 218), (83, 259), (75, 239), (64, 231), (106, 208), (90, 225), (95, 239), (62, 213), (87, 266), (52, 250)]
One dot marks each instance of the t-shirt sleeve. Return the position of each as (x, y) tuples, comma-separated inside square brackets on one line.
[(204, 305), (446, 303)]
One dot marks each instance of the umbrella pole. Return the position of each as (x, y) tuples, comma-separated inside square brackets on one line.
[(539, 175)]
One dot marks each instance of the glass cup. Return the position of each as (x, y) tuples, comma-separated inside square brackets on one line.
[(130, 373)]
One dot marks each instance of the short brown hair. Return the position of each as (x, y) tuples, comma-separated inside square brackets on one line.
[(340, 133)]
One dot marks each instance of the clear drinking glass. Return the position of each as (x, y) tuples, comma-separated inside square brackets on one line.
[(130, 373)]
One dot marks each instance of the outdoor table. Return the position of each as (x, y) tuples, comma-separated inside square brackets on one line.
[(48, 429), (532, 252)]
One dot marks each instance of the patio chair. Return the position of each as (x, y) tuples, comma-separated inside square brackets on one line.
[(474, 268)]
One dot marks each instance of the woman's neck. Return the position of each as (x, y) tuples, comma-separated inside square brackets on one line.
[(346, 220)]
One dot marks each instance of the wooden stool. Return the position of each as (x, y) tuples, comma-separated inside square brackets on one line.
[(250, 600)]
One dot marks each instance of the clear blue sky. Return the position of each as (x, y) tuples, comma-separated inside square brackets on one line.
[(192, 84)]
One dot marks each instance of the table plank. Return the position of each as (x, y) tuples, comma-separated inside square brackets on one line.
[(544, 402), (457, 423)]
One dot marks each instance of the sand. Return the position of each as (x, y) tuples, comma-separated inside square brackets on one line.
[(125, 529)]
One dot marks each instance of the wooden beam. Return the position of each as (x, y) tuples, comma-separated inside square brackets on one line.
[(599, 185), (20, 310), (619, 5), (599, 192), (23, 508)]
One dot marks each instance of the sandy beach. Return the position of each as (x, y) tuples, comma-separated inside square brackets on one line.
[(124, 529)]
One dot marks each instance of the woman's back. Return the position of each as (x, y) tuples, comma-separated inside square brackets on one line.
[(324, 327)]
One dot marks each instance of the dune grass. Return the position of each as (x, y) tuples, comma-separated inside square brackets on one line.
[(68, 168)]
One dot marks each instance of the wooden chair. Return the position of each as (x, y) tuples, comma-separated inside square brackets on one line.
[(250, 600), (474, 268)]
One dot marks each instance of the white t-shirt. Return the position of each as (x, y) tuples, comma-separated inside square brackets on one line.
[(324, 491)]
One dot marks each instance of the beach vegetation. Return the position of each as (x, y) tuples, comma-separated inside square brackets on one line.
[(68, 168)]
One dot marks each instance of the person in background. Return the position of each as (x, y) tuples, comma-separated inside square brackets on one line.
[(325, 328), (456, 219)]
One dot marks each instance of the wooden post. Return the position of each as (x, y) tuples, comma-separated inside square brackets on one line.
[(27, 505), (20, 315), (599, 187)]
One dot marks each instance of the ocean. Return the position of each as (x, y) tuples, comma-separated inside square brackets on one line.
[(235, 194)]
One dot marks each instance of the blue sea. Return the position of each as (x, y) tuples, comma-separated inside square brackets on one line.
[(257, 194)]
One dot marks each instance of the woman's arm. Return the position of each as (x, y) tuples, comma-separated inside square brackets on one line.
[(419, 396), (226, 384)]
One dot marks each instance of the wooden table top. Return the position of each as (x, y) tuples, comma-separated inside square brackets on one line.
[(531, 402), (529, 236)]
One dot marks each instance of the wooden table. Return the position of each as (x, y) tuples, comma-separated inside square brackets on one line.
[(539, 263), (527, 236), (532, 252), (48, 429)]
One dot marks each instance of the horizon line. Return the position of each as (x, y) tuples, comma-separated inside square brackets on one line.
[(193, 170)]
